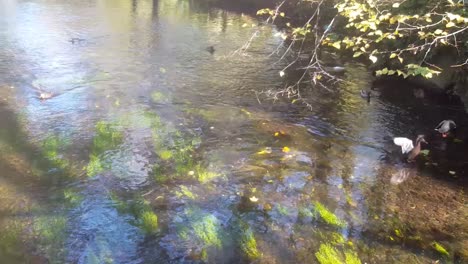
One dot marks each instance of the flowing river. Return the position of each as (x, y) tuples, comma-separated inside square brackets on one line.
[(156, 143)]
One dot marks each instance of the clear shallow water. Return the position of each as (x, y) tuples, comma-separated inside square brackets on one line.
[(153, 150)]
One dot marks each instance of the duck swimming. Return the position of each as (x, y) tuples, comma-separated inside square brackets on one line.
[(408, 148), (210, 49), (445, 127), (366, 95)]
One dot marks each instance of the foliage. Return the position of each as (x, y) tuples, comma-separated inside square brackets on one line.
[(397, 38)]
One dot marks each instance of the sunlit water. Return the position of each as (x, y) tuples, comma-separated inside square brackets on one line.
[(152, 149)]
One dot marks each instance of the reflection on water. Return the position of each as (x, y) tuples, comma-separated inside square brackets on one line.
[(155, 149)]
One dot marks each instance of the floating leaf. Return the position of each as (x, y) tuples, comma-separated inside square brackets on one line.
[(440, 248), (425, 152), (357, 54), (265, 151)]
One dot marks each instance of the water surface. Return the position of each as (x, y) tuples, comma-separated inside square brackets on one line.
[(154, 150)]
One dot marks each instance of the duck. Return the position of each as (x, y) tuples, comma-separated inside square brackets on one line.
[(407, 147), (445, 127), (210, 49), (366, 95)]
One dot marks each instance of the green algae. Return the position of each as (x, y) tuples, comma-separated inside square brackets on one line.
[(328, 216), (184, 191), (50, 231), (108, 137), (50, 150), (205, 175), (207, 230), (351, 257), (328, 254), (248, 244), (158, 97), (149, 222)]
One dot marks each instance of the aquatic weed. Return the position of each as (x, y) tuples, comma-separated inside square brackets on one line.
[(351, 257), (328, 216), (205, 175), (149, 222), (207, 230), (249, 244), (327, 254), (184, 191), (51, 233)]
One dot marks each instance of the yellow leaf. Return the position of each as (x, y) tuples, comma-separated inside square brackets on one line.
[(281, 73), (400, 59), (244, 25), (253, 199), (438, 31), (286, 149), (396, 5), (393, 55), (449, 25), (337, 45), (318, 77), (282, 14), (265, 151), (277, 134), (428, 20), (373, 58)]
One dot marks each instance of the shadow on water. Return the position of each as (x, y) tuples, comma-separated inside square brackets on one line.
[(29, 173)]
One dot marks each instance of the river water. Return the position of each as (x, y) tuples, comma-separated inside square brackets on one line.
[(154, 148)]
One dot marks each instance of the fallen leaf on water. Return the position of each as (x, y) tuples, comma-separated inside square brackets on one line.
[(425, 152), (440, 248), (286, 149), (264, 151), (253, 199)]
